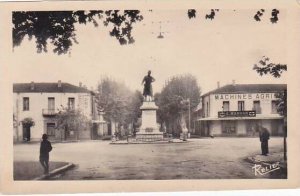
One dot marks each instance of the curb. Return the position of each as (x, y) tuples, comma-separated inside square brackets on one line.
[(152, 142), (55, 172)]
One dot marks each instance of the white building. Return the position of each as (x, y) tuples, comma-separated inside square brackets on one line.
[(237, 109), (42, 101)]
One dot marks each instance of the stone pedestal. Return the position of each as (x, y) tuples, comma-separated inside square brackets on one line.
[(149, 130)]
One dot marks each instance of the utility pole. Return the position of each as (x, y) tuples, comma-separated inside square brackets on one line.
[(189, 102), (285, 124)]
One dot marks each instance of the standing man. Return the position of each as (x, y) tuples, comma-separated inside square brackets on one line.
[(45, 148), (148, 79), (264, 138)]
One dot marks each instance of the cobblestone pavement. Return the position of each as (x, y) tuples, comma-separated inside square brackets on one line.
[(218, 158)]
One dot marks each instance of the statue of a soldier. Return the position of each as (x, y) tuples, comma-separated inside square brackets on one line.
[(148, 93)]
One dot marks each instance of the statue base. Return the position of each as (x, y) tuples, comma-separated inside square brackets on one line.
[(149, 130)]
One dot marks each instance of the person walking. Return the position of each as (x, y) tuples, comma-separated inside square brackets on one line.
[(45, 148), (264, 136)]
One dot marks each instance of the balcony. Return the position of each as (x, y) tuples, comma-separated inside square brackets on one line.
[(49, 112)]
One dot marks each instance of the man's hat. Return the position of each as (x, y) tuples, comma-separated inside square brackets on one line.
[(45, 136)]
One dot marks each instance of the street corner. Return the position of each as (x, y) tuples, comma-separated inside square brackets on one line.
[(55, 172)]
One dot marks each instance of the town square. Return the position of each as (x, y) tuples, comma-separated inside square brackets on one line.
[(196, 159), (149, 95)]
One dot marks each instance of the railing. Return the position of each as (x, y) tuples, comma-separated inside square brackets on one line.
[(49, 112)]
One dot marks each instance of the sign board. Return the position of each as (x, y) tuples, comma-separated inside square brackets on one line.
[(224, 114)]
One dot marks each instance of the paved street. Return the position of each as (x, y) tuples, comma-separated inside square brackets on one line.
[(197, 159)]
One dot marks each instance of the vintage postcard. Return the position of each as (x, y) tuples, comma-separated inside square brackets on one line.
[(126, 96)]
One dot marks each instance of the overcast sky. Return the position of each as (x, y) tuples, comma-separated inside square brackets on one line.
[(223, 49)]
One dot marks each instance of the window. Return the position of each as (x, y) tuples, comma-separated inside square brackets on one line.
[(274, 107), (241, 105), (225, 105), (25, 103), (71, 103), (51, 103), (256, 107)]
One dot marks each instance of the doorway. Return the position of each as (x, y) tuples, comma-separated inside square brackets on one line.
[(26, 133), (51, 131)]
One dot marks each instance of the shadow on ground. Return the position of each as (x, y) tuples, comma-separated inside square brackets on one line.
[(28, 170)]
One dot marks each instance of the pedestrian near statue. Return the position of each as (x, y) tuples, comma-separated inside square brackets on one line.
[(45, 148), (148, 92), (264, 137)]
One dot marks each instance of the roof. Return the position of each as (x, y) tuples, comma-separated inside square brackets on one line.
[(248, 88), (48, 87)]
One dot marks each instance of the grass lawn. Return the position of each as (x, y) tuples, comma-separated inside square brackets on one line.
[(28, 170)]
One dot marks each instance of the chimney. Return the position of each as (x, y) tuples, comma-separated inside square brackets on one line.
[(80, 84), (233, 82), (218, 84), (32, 86), (59, 84)]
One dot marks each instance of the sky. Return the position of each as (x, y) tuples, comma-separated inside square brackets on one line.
[(223, 49)]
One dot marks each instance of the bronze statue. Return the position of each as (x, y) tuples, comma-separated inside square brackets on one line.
[(148, 79)]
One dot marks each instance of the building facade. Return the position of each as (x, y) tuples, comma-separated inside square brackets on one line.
[(238, 109), (40, 102)]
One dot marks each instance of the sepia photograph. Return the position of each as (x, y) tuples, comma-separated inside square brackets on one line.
[(103, 94)]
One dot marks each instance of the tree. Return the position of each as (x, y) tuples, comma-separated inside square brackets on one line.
[(58, 26), (134, 112), (120, 104), (257, 17), (264, 67), (172, 101), (28, 122), (68, 120)]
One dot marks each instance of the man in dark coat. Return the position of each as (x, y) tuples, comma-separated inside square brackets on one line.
[(148, 79), (45, 148), (264, 137)]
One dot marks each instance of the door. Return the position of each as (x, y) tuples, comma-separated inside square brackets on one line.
[(274, 127), (109, 129), (51, 131), (26, 133), (95, 131), (228, 127)]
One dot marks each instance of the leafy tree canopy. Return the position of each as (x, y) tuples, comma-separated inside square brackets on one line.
[(71, 119), (118, 102), (58, 26), (257, 17), (29, 122), (264, 67), (174, 97)]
